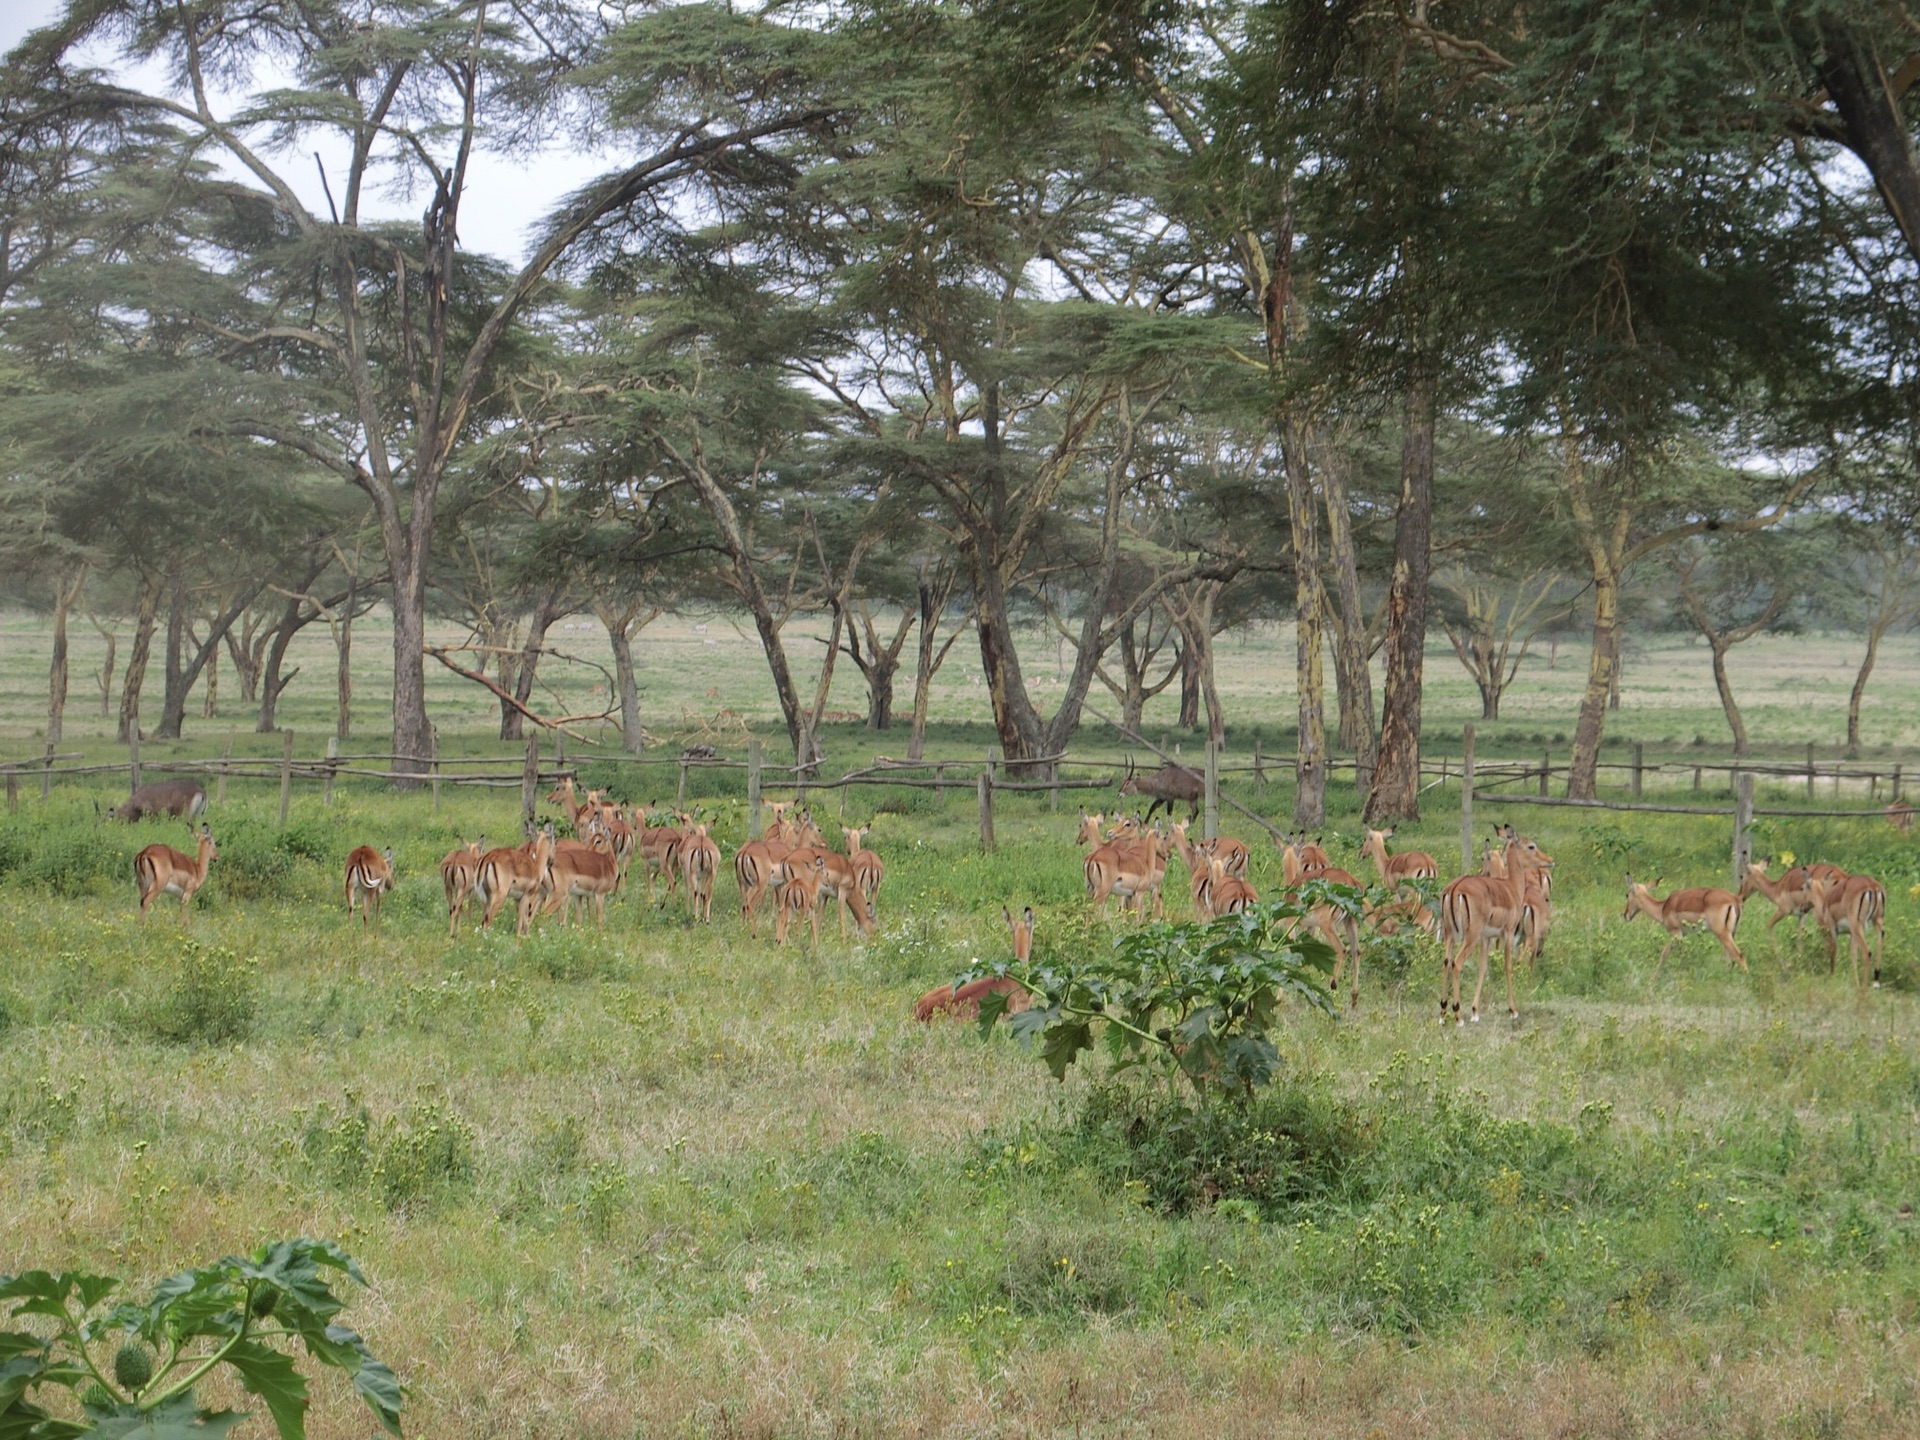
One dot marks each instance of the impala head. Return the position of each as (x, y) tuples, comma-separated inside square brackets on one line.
[(853, 835), (1640, 896), (561, 794), (387, 855), (1089, 832), (1021, 930)]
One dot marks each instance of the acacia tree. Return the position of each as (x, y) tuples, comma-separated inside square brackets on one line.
[(397, 347), (1733, 593)]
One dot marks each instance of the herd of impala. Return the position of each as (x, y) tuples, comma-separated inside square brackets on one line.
[(1508, 901)]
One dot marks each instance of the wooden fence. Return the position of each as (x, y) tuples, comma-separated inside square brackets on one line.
[(988, 775)]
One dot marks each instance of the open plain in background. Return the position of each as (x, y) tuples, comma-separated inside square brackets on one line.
[(672, 1181)]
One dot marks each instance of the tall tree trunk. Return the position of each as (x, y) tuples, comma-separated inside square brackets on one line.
[(1584, 769), (343, 674), (1014, 718), (880, 692), (546, 610), (247, 647), (931, 654), (413, 742), (1874, 632), (136, 678), (1396, 779), (111, 638), (1725, 687), (173, 702), (1310, 800), (65, 596), (632, 737), (1353, 679), (272, 683), (210, 704), (174, 713), (1189, 683)]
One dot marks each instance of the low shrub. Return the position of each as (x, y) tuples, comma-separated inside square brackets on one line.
[(405, 1163), (212, 999)]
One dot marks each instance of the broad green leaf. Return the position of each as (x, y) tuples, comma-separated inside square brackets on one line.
[(271, 1375), (173, 1419), (373, 1380), (1063, 1044)]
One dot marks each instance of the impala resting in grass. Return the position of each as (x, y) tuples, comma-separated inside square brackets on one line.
[(369, 876), (162, 870), (1717, 910), (962, 1002)]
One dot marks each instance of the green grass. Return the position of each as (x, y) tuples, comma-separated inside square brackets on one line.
[(673, 1181)]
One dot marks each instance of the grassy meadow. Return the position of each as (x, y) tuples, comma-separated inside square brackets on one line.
[(669, 1180)]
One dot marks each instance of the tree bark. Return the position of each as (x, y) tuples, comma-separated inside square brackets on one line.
[(930, 655), (343, 671), (137, 653), (1727, 703), (173, 701), (1353, 679), (174, 712), (1396, 778), (210, 702), (65, 596), (1859, 691), (547, 609), (272, 683), (632, 738), (1857, 83), (1189, 659), (1310, 800)]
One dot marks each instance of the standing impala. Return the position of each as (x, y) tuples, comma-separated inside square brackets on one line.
[(1398, 873), (1791, 894), (162, 870), (516, 875), (1718, 910), (369, 876), (868, 866), (460, 873), (1476, 909), (700, 860), (1856, 904)]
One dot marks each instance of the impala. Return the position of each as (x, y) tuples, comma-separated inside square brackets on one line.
[(659, 849), (1398, 873), (369, 876), (1717, 910), (1231, 853), (1132, 871), (578, 810), (162, 870), (588, 875), (796, 895), (754, 870), (1228, 894), (840, 877), (516, 875), (871, 869), (460, 873), (1856, 905), (1791, 894), (1089, 831), (1536, 895), (700, 858), (963, 1001), (1477, 908)]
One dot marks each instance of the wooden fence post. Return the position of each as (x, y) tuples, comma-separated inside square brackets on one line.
[(46, 775), (1810, 770), (1211, 818), (133, 755), (436, 781), (805, 765), (1696, 777), (1742, 824), (680, 795), (753, 788), (1053, 795), (13, 788), (226, 759), (986, 811), (333, 763), (1639, 765), (1466, 800), (1896, 782), (1259, 764), (939, 782), (286, 774), (530, 779), (1546, 769)]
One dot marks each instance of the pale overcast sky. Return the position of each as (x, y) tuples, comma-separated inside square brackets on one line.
[(504, 198)]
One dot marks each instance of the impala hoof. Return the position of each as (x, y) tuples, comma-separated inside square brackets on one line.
[(1476, 1017)]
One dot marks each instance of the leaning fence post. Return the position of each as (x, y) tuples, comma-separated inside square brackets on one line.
[(753, 788), (1742, 824), (1259, 764), (286, 774), (133, 753), (333, 762), (986, 811), (1639, 765), (1211, 818), (46, 774), (1810, 770), (1546, 769), (1466, 800), (226, 761), (530, 779)]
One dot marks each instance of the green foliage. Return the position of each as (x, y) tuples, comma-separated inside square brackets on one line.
[(1194, 1000), (405, 1164), (78, 858), (243, 1313), (212, 998)]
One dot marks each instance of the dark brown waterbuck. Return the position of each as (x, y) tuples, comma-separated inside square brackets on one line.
[(1169, 785)]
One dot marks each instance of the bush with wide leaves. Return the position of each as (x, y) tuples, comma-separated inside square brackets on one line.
[(132, 1365)]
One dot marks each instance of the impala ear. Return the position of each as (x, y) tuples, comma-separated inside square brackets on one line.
[(1006, 915)]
